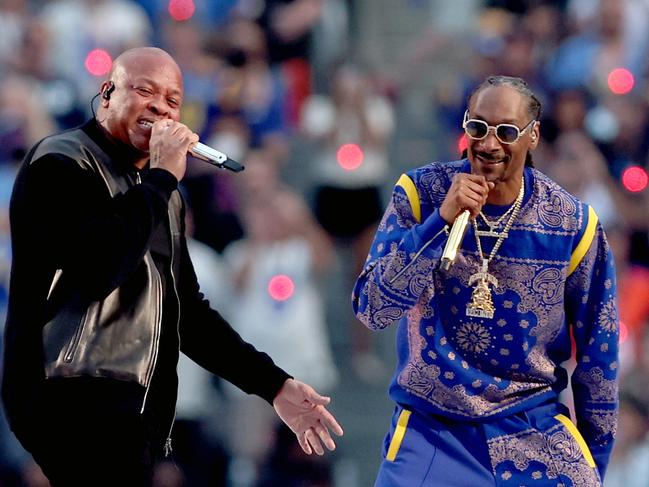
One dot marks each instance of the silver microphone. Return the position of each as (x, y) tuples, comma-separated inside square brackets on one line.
[(455, 237), (214, 157)]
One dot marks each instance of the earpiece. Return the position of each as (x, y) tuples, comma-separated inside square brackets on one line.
[(110, 87)]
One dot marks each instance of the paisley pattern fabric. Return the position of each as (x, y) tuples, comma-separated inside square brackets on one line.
[(479, 368), (533, 456)]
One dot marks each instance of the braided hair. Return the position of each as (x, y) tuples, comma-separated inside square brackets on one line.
[(533, 103)]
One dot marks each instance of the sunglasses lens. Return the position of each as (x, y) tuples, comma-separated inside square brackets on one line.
[(476, 129), (507, 133)]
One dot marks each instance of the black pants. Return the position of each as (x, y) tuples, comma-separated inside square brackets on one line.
[(94, 435)]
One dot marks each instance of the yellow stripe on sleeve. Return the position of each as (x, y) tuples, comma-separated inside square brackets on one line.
[(399, 433), (411, 191), (577, 436), (584, 243)]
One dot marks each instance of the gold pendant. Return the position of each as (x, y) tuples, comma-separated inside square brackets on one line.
[(481, 305)]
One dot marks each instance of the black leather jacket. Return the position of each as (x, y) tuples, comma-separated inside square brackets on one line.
[(85, 295), (80, 338)]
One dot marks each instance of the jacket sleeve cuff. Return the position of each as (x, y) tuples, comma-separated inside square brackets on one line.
[(271, 386), (428, 229)]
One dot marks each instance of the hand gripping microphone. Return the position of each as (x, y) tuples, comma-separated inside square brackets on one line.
[(214, 157), (455, 237)]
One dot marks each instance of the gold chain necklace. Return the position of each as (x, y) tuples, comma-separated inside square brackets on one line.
[(493, 225), (481, 305)]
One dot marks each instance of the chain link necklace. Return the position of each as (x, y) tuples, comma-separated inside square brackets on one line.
[(493, 225), (481, 305)]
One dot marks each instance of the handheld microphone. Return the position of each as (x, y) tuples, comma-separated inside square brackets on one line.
[(455, 237), (214, 157)]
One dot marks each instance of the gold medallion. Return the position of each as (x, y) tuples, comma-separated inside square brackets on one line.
[(481, 305)]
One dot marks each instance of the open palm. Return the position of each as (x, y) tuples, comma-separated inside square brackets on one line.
[(303, 410)]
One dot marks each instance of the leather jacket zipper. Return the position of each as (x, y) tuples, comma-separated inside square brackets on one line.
[(158, 324), (167, 447), (74, 344), (68, 356), (156, 340)]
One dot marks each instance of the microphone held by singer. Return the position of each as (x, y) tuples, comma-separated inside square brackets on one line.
[(454, 239), (214, 157)]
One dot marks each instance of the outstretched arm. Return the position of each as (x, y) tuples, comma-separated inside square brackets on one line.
[(303, 410)]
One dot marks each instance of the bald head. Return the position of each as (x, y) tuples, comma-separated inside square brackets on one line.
[(138, 56), (144, 85)]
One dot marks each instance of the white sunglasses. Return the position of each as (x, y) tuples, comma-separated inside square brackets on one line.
[(506, 133)]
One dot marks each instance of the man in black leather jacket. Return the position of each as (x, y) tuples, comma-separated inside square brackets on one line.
[(103, 295)]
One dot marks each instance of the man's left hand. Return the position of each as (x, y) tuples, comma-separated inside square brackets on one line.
[(303, 410)]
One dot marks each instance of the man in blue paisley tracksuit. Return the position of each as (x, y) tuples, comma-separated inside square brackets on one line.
[(482, 344)]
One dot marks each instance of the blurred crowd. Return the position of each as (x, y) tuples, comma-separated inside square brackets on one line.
[(294, 91)]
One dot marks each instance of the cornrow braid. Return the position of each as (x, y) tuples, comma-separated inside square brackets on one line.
[(533, 103)]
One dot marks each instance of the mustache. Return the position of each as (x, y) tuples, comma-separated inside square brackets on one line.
[(490, 157)]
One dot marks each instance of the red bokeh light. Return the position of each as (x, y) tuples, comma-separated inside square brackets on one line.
[(181, 9), (620, 81), (462, 143), (281, 287), (98, 62), (624, 332), (350, 156), (635, 179)]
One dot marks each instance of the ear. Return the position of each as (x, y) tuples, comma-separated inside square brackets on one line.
[(105, 90), (102, 90), (535, 135)]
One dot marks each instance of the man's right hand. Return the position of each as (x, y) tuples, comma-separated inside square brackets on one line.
[(168, 146), (467, 192)]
